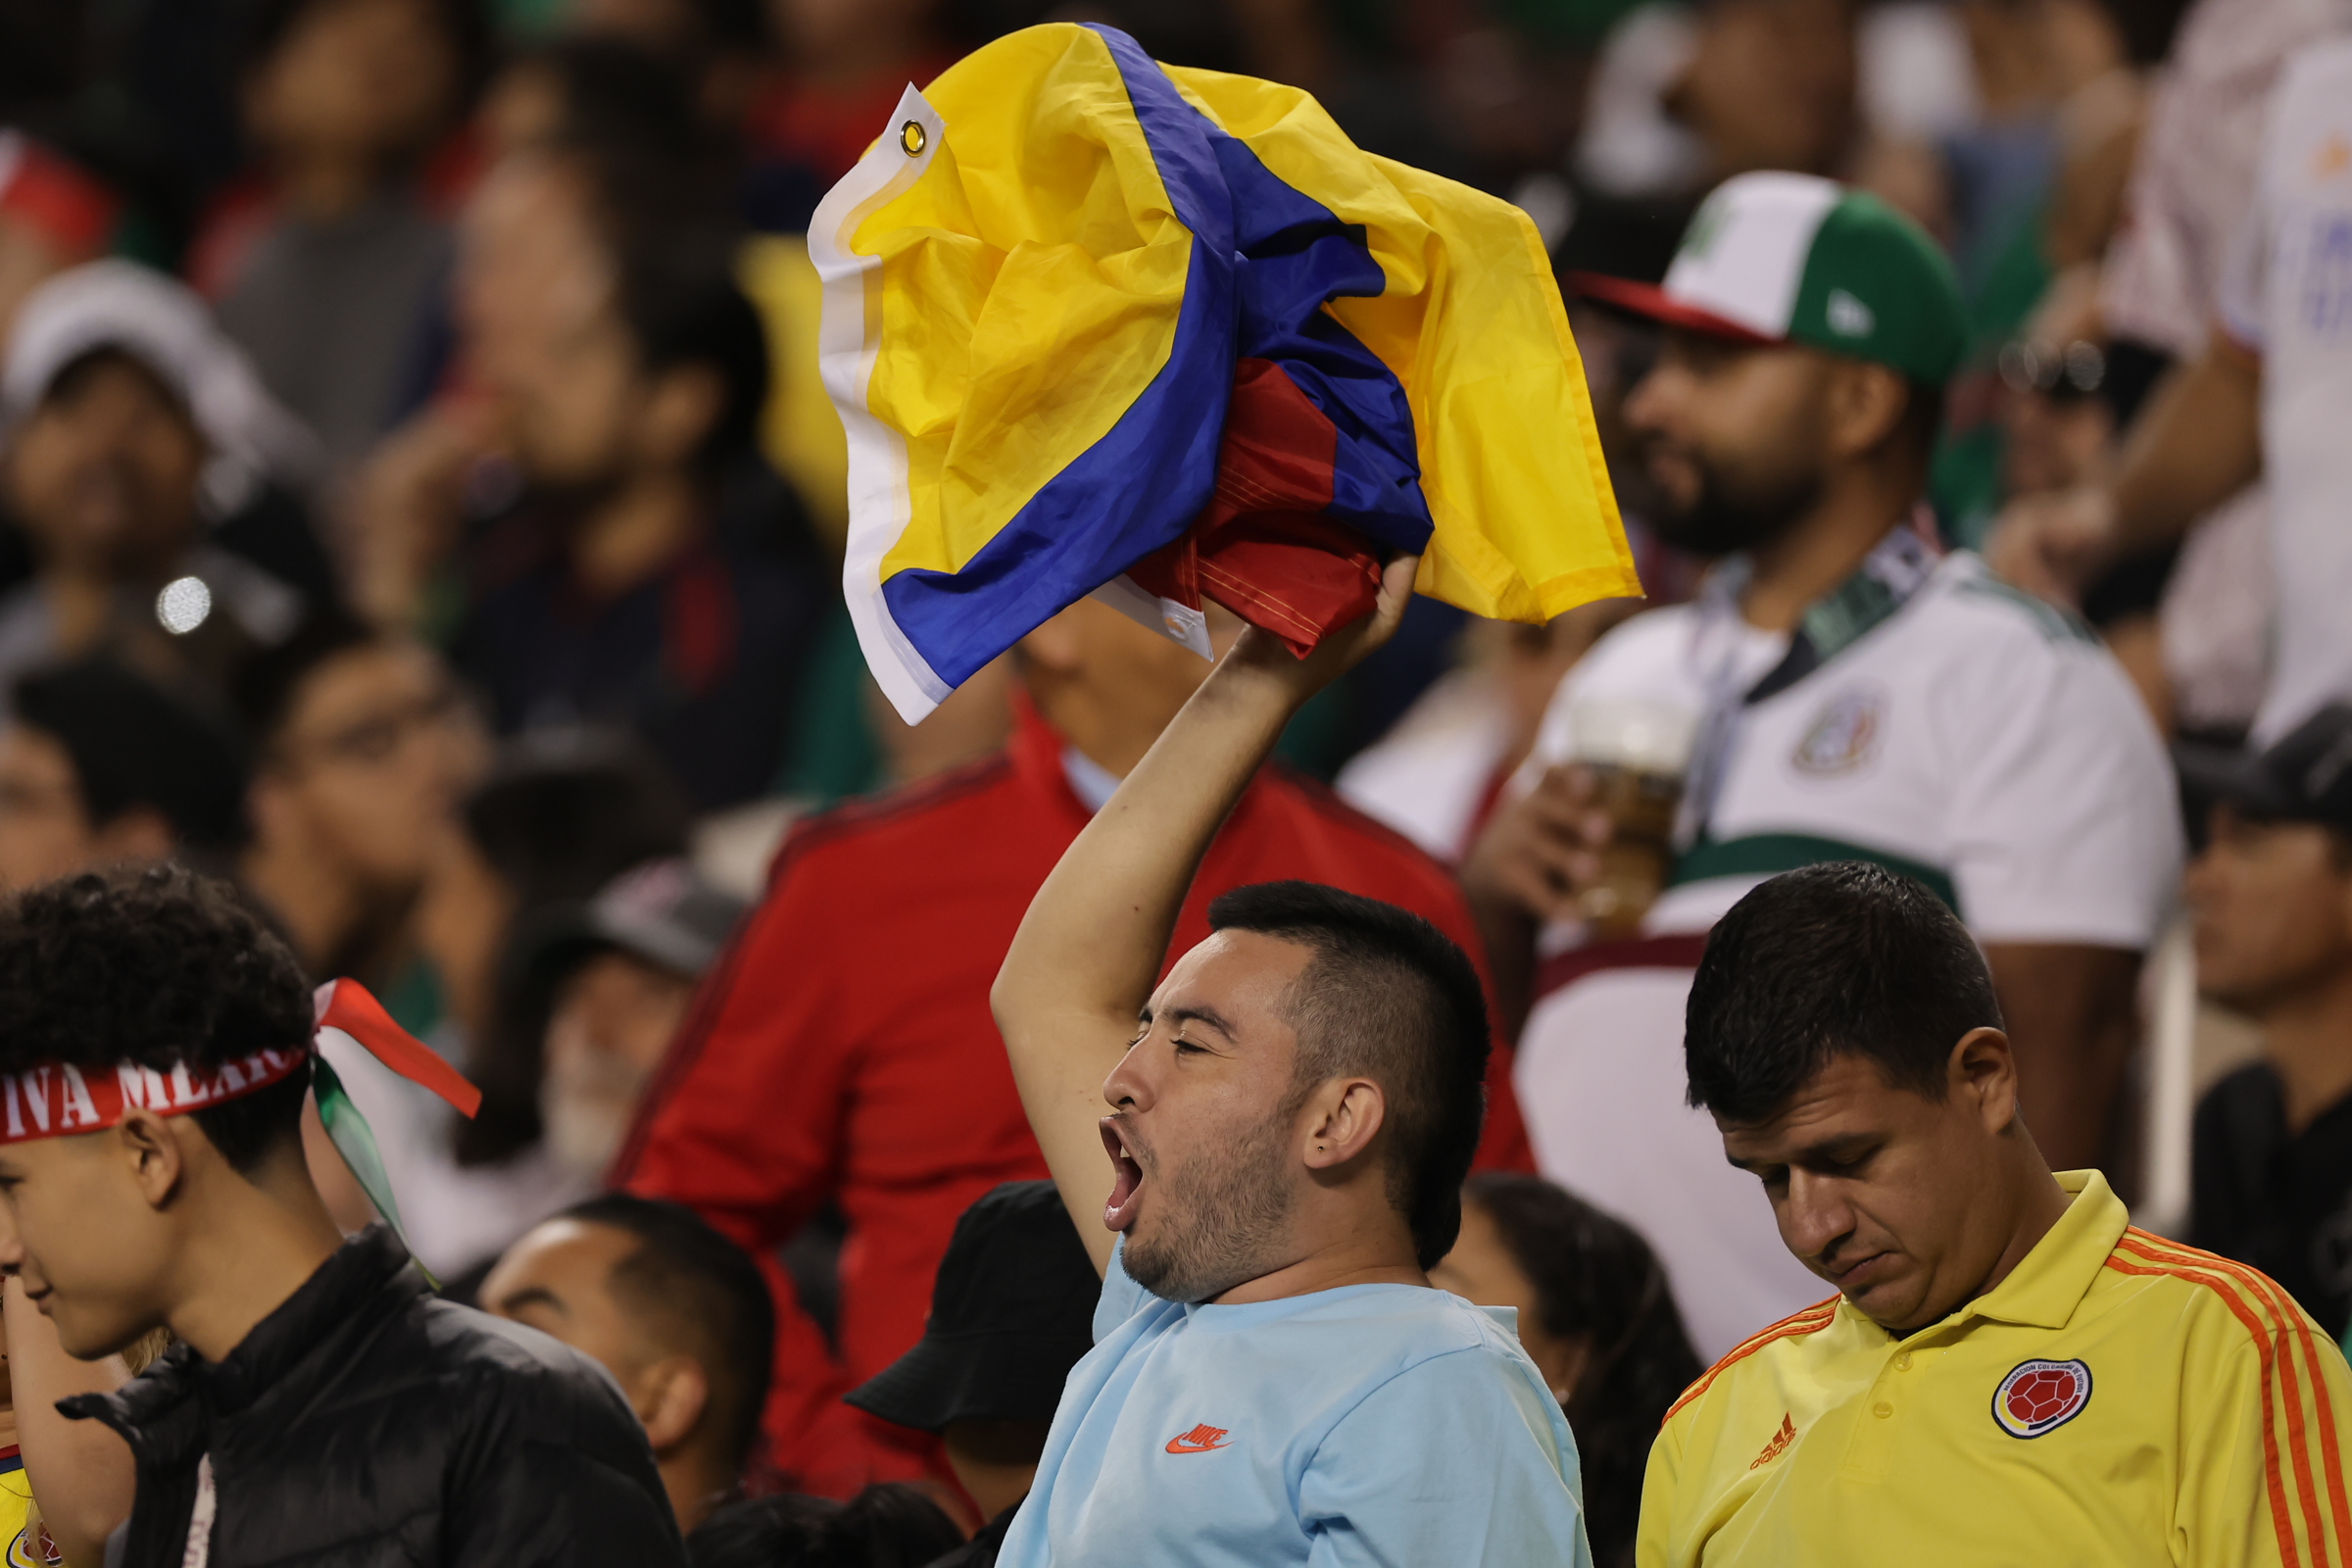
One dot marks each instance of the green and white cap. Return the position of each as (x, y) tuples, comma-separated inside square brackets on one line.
[(1776, 258)]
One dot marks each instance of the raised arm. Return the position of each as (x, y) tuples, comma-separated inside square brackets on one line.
[(1091, 946)]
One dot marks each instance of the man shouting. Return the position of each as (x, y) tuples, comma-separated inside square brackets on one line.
[(1291, 1114)]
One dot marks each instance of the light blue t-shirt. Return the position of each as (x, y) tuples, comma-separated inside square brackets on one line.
[(1377, 1424)]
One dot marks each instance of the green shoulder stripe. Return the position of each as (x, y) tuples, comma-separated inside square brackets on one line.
[(2056, 624), (1771, 854)]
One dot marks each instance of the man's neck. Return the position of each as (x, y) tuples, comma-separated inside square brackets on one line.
[(325, 186), (2307, 1038), (256, 1240), (634, 532), (696, 1483), (1360, 1250), (1806, 562)]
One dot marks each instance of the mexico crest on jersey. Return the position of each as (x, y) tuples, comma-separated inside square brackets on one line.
[(1845, 735), (2040, 1395)]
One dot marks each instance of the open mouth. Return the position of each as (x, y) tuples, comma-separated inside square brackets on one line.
[(1127, 1186)]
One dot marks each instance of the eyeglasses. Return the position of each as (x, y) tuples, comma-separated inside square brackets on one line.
[(2063, 374)]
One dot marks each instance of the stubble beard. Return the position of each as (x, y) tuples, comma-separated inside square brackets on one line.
[(1222, 1214)]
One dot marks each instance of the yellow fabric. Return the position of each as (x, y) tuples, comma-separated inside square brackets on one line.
[(1826, 1440), (1081, 272), (16, 1521), (1031, 281), (1471, 323), (799, 431)]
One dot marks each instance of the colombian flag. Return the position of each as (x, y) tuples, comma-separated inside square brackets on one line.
[(1098, 325)]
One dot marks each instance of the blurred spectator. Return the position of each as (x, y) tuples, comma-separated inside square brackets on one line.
[(673, 1310), (561, 816), (72, 1481), (600, 92), (325, 271), (361, 749), (99, 768), (650, 571), (1600, 1322), (2273, 898), (2265, 397), (1842, 691), (1011, 1312), (132, 427), (844, 1051), (891, 1525), (613, 977)]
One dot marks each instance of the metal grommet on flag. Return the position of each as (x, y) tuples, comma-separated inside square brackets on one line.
[(913, 137)]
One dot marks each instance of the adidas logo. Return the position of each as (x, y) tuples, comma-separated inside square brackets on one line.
[(1849, 317), (1776, 1444)]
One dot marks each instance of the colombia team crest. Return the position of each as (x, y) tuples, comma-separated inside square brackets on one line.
[(2038, 1397)]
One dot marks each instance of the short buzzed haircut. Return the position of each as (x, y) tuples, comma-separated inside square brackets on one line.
[(1391, 997), (1842, 959), (694, 1291)]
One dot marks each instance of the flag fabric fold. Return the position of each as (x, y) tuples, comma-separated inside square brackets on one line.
[(1096, 326)]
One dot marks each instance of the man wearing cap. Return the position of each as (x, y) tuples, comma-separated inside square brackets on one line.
[(1849, 691), (2271, 892), (1011, 1312), (138, 453)]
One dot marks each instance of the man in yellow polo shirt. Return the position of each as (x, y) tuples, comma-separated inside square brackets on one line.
[(2010, 1373)]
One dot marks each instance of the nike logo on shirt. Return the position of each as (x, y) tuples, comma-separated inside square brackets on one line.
[(1199, 1439)]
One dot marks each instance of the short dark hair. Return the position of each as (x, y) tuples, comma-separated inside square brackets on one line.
[(1596, 1280), (133, 744), (692, 1288), (684, 307), (159, 966), (1845, 958), (891, 1524), (1389, 996)]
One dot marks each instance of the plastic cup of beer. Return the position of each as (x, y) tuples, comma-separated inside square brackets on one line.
[(1637, 752)]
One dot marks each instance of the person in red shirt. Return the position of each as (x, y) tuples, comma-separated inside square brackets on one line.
[(844, 1050)]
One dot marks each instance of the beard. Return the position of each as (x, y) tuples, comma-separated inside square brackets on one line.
[(1729, 515), (1222, 1213)]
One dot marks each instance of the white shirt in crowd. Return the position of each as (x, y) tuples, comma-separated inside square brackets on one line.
[(1975, 738), (2288, 295)]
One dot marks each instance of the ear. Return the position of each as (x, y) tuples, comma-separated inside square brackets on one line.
[(1343, 1116), (671, 1395), (1982, 1071), (150, 1147), (141, 834), (1866, 403), (680, 410)]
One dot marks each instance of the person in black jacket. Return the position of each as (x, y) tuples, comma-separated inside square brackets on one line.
[(322, 1406)]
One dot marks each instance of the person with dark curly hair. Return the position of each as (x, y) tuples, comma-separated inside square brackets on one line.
[(322, 1406), (1597, 1318)]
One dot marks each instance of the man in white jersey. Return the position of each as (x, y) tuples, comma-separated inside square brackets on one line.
[(1273, 1379), (1857, 694), (2270, 398)]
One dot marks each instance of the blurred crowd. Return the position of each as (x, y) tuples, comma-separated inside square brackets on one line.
[(418, 504)]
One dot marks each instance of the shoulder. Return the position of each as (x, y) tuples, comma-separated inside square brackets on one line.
[(1965, 594), (1755, 1353), (525, 1381), (2231, 1310), (898, 819), (1301, 795)]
